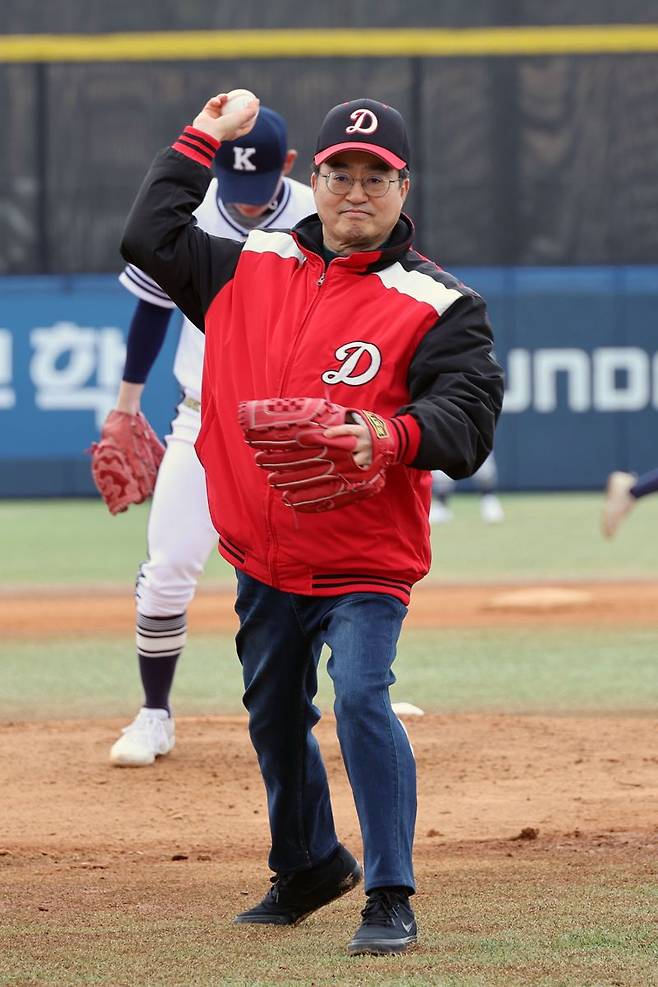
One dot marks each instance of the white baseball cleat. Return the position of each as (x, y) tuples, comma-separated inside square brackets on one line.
[(151, 734), (439, 513), (618, 501), (491, 510)]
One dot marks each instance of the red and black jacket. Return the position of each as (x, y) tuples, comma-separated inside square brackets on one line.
[(386, 330)]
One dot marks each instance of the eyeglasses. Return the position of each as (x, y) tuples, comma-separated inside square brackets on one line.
[(341, 182)]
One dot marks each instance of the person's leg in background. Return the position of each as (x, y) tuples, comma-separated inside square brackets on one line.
[(442, 489), (180, 540), (623, 490), (485, 480)]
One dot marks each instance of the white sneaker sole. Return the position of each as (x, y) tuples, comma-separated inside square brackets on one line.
[(128, 759)]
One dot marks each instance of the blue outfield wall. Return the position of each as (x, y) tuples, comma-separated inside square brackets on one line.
[(62, 350), (579, 347)]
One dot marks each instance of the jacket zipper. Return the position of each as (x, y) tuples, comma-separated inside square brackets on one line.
[(273, 546), (268, 514), (291, 351)]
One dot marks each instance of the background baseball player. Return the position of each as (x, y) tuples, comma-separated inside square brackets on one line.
[(485, 481), (251, 190)]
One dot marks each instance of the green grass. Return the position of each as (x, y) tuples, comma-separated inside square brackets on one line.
[(543, 537), (529, 921), (64, 542), (561, 670), (519, 669)]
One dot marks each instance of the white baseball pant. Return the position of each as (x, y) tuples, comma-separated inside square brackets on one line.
[(180, 532)]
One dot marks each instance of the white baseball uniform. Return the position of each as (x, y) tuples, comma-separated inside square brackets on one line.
[(180, 532)]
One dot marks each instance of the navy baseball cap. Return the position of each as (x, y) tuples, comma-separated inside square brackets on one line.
[(248, 169), (364, 125)]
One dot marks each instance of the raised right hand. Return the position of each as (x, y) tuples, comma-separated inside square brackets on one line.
[(229, 127)]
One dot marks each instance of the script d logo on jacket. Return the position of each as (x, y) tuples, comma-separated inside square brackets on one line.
[(350, 355)]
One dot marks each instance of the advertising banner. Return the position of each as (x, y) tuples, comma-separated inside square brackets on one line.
[(579, 347), (62, 351)]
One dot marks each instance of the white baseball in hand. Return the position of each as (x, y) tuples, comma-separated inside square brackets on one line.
[(237, 99)]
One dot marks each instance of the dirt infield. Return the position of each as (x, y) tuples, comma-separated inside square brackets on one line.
[(495, 791), (73, 611), (536, 810), (482, 778)]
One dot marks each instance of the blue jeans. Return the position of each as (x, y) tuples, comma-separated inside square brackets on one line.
[(279, 644)]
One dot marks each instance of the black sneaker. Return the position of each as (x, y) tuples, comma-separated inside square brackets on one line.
[(388, 924), (293, 897)]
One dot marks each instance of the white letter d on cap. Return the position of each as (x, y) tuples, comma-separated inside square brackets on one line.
[(365, 122)]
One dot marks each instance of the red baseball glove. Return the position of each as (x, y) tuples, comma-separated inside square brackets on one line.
[(124, 464), (314, 473)]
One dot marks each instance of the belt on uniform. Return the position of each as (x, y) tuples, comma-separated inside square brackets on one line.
[(191, 403)]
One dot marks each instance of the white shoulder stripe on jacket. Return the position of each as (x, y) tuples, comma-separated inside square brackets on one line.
[(283, 244), (422, 287)]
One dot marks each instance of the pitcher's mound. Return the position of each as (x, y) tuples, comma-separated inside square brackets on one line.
[(539, 598)]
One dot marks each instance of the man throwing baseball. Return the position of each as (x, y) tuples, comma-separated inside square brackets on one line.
[(352, 366)]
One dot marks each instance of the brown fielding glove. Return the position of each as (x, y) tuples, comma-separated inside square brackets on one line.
[(313, 473), (124, 464)]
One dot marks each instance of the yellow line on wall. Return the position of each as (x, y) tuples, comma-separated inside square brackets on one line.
[(461, 42)]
